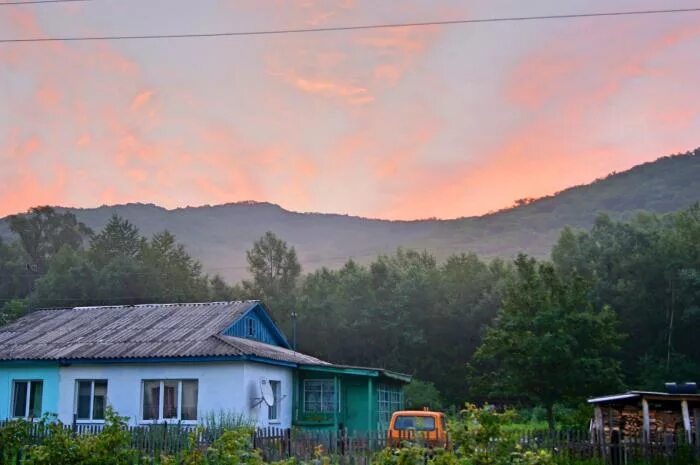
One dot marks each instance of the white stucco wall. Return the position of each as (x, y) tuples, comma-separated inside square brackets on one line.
[(223, 386)]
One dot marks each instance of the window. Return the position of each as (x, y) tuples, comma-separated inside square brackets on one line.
[(414, 422), (170, 399), (91, 399), (319, 395), (273, 412), (250, 327), (26, 399), (389, 400)]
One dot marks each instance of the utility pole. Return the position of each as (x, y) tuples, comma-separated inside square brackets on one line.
[(294, 316)]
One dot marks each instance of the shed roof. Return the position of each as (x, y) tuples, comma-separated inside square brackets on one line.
[(132, 332), (629, 395)]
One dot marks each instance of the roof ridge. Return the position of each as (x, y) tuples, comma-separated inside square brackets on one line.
[(157, 304)]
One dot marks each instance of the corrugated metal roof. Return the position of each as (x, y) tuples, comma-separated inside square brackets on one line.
[(637, 394), (136, 331)]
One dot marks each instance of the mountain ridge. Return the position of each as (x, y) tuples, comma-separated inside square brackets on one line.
[(219, 235)]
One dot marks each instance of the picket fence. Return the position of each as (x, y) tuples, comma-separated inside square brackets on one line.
[(358, 447)]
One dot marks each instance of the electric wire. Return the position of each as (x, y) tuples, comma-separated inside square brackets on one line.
[(348, 28)]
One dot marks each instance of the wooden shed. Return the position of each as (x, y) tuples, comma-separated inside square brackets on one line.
[(647, 416)]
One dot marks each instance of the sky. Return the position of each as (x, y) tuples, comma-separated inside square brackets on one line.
[(407, 123)]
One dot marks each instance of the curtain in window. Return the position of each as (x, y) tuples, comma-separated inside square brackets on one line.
[(170, 399), (319, 395), (151, 399), (189, 400)]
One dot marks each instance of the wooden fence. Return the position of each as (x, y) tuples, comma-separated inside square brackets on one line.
[(357, 448)]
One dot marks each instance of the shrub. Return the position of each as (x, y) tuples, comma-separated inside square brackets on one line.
[(59, 447), (14, 436), (112, 446)]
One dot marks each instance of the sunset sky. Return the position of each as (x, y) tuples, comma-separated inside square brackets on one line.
[(440, 121)]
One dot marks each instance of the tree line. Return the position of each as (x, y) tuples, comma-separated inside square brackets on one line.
[(615, 306)]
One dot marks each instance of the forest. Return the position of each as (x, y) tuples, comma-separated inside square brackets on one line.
[(615, 306)]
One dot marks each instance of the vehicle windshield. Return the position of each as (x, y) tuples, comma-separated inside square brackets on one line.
[(414, 422)]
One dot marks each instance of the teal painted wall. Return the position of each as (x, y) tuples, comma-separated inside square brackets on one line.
[(46, 372)]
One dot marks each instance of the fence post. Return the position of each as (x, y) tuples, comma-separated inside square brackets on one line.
[(288, 435)]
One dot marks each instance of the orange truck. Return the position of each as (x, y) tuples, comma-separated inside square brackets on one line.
[(422, 427)]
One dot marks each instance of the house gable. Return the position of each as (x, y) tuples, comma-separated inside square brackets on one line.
[(257, 325)]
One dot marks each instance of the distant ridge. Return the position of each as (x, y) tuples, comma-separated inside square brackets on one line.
[(219, 235)]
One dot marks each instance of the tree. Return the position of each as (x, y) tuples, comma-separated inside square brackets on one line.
[(43, 232), (419, 394), (12, 310), (275, 269), (119, 238), (69, 281), (549, 343), (15, 278), (170, 274)]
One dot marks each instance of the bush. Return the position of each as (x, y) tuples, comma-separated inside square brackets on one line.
[(59, 447), (14, 437)]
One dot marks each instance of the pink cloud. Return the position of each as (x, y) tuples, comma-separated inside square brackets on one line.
[(141, 99)]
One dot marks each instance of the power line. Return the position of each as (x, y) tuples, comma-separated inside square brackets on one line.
[(347, 28), (36, 2)]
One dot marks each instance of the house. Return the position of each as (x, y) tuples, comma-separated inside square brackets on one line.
[(648, 416), (177, 363)]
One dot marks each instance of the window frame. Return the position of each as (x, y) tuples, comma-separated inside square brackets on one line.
[(336, 402), (30, 383), (250, 330), (276, 386), (92, 400), (161, 398), (389, 400)]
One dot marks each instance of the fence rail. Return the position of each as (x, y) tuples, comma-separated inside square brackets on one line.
[(357, 447)]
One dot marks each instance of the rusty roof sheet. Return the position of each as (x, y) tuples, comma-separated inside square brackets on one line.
[(136, 331)]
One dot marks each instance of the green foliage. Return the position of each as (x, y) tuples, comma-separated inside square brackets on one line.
[(59, 447), (530, 457), (549, 343), (234, 447), (275, 270), (14, 437), (11, 310), (419, 394), (118, 239), (43, 232), (472, 431), (402, 311), (122, 267), (112, 446), (648, 270)]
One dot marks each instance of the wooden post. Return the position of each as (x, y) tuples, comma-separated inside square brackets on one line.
[(646, 431), (686, 420), (696, 415), (600, 430)]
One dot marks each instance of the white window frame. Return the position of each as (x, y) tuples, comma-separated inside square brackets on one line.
[(336, 399), (276, 386), (161, 397), (92, 400), (29, 382)]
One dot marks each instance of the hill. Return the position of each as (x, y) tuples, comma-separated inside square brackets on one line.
[(220, 235)]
